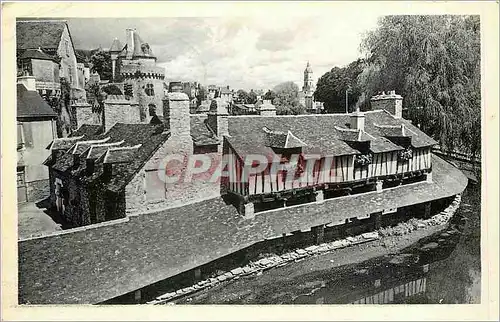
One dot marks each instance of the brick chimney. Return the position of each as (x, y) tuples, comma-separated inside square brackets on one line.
[(217, 118), (390, 101), (28, 82), (267, 109), (357, 120)]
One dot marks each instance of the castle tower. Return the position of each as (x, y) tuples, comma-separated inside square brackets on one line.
[(136, 64)]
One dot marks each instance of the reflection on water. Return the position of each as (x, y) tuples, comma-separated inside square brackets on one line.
[(442, 268)]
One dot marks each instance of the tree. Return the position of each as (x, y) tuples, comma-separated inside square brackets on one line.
[(269, 95), (201, 95), (252, 97), (331, 88), (101, 63), (287, 99), (112, 90), (242, 96), (434, 63)]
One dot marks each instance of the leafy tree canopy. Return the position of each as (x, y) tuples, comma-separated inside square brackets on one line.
[(101, 63), (287, 99), (332, 86), (434, 63)]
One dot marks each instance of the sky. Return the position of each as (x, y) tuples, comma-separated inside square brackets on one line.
[(243, 52)]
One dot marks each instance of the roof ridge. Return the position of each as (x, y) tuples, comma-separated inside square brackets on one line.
[(75, 146)]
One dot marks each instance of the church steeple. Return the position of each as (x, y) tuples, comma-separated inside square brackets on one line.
[(308, 88)]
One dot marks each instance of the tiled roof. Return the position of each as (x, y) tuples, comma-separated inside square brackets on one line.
[(325, 134), (201, 132), (31, 105), (97, 264), (39, 34), (148, 136)]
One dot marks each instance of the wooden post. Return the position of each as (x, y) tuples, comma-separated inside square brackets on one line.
[(137, 295), (427, 210), (197, 274), (377, 220), (319, 233)]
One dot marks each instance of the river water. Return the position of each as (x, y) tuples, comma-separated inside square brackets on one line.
[(442, 268)]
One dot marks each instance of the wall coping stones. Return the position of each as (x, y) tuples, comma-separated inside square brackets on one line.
[(275, 260)]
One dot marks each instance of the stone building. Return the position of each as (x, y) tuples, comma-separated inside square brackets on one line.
[(36, 128), (45, 50), (103, 173), (340, 153), (381, 172), (135, 64), (306, 96)]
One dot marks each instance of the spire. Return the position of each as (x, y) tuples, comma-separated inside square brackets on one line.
[(308, 68)]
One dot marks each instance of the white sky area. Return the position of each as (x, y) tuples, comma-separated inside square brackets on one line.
[(242, 52)]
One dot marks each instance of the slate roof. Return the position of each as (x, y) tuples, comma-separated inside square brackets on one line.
[(97, 264), (324, 134), (141, 48), (36, 54), (87, 130), (31, 105), (33, 34), (121, 154), (149, 138), (116, 46), (201, 133)]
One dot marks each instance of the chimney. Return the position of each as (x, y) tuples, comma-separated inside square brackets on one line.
[(130, 42), (267, 109), (28, 82), (107, 171), (90, 165), (217, 117), (76, 160), (177, 118), (357, 120), (390, 101)]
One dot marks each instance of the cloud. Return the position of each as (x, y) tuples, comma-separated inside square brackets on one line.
[(243, 52)]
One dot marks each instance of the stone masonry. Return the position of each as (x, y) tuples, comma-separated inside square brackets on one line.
[(117, 109)]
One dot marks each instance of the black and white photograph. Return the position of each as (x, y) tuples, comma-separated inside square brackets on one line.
[(326, 159)]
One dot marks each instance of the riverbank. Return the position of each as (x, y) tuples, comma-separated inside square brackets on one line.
[(334, 254)]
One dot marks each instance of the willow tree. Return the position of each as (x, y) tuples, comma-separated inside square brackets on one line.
[(434, 62)]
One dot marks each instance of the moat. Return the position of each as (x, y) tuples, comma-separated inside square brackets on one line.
[(442, 268)]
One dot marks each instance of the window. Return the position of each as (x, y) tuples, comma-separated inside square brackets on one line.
[(20, 177), (150, 90), (66, 45), (20, 137), (152, 110)]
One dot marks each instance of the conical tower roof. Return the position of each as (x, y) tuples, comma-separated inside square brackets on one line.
[(116, 46)]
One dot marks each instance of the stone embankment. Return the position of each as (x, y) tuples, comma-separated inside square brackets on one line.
[(258, 266)]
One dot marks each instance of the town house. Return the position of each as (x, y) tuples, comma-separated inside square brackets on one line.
[(36, 128)]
